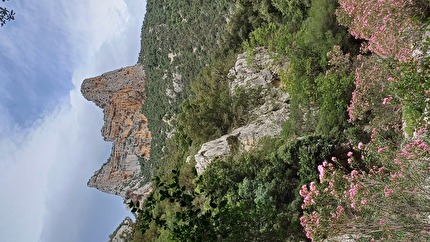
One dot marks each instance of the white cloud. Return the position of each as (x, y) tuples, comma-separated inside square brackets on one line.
[(44, 167)]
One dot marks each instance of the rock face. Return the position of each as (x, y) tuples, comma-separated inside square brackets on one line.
[(124, 232), (267, 119), (120, 94)]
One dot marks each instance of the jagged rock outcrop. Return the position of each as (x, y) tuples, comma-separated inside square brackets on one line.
[(120, 94), (124, 232), (266, 119)]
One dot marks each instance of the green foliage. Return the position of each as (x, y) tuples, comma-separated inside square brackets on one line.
[(295, 11), (255, 192), (191, 30), (305, 79), (212, 111), (254, 196), (412, 90), (308, 52), (182, 219), (261, 188), (335, 93), (208, 113)]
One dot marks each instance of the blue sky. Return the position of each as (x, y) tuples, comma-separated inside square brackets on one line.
[(50, 141)]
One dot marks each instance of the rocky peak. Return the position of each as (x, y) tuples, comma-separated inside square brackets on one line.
[(120, 93)]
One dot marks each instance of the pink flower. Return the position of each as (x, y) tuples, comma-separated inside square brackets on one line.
[(396, 175), (321, 171), (331, 184), (350, 154), (387, 191), (390, 79), (304, 191), (380, 149), (373, 135), (354, 173), (353, 205), (303, 221), (333, 158), (312, 186), (387, 100), (363, 202), (352, 192), (360, 145)]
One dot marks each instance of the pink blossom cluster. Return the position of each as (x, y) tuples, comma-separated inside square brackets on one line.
[(371, 86), (387, 100), (387, 191), (331, 184), (341, 198), (413, 148), (308, 195), (314, 219), (387, 25), (338, 212), (368, 80)]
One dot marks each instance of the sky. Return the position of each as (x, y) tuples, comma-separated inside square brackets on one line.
[(50, 140)]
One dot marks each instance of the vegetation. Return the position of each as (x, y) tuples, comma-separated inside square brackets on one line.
[(6, 15), (353, 154), (177, 39)]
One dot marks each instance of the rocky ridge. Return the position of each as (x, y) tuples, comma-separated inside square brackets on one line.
[(124, 232), (120, 93), (259, 73)]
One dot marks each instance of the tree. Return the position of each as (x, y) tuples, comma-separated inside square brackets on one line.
[(6, 15)]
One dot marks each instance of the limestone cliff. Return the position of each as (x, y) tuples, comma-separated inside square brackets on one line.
[(259, 73), (120, 94), (124, 232)]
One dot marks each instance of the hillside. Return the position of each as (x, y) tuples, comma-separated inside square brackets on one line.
[(285, 120), (178, 38)]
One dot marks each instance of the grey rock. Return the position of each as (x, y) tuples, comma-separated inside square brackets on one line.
[(266, 119), (124, 232)]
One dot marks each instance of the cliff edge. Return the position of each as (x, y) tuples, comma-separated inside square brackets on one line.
[(120, 93)]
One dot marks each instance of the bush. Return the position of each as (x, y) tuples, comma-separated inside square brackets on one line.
[(372, 103), (383, 195), (335, 93), (411, 87), (387, 26), (207, 114)]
